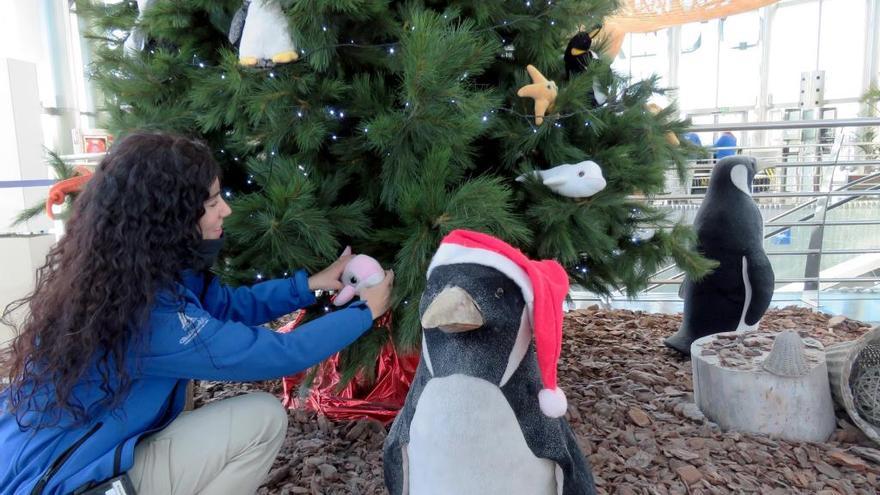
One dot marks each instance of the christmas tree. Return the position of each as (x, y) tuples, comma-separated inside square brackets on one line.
[(397, 123)]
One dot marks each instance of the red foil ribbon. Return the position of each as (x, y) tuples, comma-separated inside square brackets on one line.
[(379, 400)]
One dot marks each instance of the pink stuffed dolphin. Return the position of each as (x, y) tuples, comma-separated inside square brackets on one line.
[(361, 272)]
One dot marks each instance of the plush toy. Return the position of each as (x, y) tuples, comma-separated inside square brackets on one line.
[(580, 180), (264, 34), (730, 230), (484, 414), (359, 273), (542, 91), (137, 40), (578, 58)]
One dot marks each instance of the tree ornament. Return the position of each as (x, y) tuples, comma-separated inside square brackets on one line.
[(137, 39), (541, 90), (578, 55), (580, 180), (264, 34), (578, 58)]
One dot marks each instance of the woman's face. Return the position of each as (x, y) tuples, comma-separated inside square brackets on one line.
[(216, 209)]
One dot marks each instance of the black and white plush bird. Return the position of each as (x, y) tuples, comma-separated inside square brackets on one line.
[(484, 414), (729, 230), (578, 57)]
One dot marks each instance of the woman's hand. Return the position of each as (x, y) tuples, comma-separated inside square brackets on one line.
[(378, 297), (328, 278)]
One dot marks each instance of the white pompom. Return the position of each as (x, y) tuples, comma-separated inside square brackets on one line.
[(553, 402)]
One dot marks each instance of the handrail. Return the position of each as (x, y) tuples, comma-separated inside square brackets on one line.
[(788, 124), (779, 186), (784, 280), (700, 197)]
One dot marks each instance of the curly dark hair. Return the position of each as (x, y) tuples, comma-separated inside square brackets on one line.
[(132, 230)]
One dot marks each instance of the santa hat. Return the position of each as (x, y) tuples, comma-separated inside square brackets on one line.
[(544, 285)]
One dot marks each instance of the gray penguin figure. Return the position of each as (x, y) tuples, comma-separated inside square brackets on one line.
[(730, 230), (475, 420)]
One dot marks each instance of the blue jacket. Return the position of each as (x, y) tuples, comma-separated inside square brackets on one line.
[(188, 338)]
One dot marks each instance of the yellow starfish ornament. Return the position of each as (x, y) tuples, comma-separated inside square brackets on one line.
[(541, 90)]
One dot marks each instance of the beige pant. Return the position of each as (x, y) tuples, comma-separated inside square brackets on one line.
[(225, 447)]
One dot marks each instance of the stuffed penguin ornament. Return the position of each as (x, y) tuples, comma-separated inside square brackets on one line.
[(577, 54), (262, 28), (484, 414), (578, 58), (137, 39), (729, 230)]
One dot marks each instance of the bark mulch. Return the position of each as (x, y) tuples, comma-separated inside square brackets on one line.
[(631, 406)]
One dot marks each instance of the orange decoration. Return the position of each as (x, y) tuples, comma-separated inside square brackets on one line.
[(59, 191)]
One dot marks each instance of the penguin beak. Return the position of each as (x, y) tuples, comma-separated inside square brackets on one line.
[(453, 311), (577, 52)]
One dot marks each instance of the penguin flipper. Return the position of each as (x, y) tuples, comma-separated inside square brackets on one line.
[(578, 475), (548, 438), (394, 452), (762, 280), (682, 289)]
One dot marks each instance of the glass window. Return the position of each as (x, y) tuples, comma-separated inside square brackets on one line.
[(739, 76), (793, 47), (649, 55), (698, 64), (842, 47)]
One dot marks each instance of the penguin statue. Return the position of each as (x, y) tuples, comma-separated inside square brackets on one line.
[(484, 414), (729, 230)]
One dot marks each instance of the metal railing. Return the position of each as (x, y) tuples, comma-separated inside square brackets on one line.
[(813, 178)]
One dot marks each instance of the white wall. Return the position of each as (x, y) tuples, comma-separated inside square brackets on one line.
[(29, 253)]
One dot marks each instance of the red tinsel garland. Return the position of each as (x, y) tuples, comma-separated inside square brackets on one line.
[(379, 400)]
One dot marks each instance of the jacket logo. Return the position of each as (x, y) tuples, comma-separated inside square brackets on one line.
[(191, 325)]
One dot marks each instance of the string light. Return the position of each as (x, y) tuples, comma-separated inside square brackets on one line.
[(485, 118), (259, 276), (324, 28), (286, 274), (391, 50), (271, 74), (299, 113)]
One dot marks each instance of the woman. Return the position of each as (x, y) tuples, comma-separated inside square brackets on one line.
[(123, 315)]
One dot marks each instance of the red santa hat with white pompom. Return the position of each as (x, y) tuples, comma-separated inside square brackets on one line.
[(544, 285)]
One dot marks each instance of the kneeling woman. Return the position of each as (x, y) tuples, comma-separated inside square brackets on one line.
[(124, 313)]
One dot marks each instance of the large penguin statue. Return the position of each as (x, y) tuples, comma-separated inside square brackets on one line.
[(483, 416), (729, 230)]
